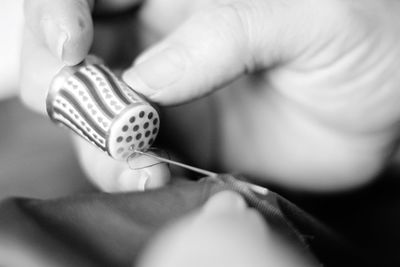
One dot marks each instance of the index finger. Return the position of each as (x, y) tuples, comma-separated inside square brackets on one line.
[(65, 26)]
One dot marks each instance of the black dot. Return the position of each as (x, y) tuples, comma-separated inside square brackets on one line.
[(141, 144), (150, 116), (135, 128), (138, 136), (147, 134), (155, 130), (141, 114), (129, 138), (119, 139), (125, 128), (155, 121), (146, 125), (132, 119), (151, 141)]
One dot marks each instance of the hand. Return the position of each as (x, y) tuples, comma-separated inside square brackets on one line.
[(61, 32), (313, 86), (314, 69), (224, 232)]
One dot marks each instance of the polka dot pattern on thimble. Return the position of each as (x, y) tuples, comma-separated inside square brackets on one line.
[(93, 102), (136, 129)]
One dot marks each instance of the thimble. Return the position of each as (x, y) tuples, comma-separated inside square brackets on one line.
[(91, 101)]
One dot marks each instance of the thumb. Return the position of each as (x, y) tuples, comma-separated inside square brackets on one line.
[(209, 50)]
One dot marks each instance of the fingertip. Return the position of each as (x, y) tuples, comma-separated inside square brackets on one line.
[(133, 79), (65, 27), (199, 57), (79, 41), (70, 42), (131, 180), (157, 70), (55, 37), (159, 175), (225, 201), (144, 179)]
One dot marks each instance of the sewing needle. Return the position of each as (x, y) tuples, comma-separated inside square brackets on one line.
[(256, 188)]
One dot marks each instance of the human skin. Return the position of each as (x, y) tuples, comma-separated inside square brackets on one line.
[(310, 86), (225, 232), (10, 14)]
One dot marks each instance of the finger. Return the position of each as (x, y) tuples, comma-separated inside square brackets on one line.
[(11, 32), (225, 201), (65, 26), (41, 54), (209, 50), (225, 234), (37, 69), (116, 176)]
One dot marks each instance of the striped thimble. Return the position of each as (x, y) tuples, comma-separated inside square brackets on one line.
[(90, 100)]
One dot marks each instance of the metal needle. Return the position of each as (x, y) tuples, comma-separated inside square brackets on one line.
[(256, 188), (182, 165)]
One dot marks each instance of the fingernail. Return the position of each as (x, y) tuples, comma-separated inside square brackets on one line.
[(132, 181), (155, 72), (143, 181), (55, 37)]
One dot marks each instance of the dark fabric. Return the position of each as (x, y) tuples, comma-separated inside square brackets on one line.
[(110, 230), (328, 246)]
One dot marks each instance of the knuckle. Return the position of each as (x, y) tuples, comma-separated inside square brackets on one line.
[(242, 18), (235, 15)]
